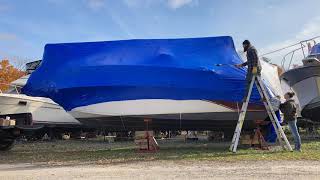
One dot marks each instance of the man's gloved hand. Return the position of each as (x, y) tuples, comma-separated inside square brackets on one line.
[(254, 70)]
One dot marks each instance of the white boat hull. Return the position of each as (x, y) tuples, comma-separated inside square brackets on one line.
[(305, 82), (149, 107), (164, 114), (167, 113), (43, 110)]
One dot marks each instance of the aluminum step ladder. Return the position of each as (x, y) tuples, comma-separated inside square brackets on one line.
[(274, 119)]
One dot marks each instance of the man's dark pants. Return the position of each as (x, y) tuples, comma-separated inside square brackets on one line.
[(248, 81)]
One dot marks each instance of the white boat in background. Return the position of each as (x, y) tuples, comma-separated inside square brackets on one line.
[(42, 111), (305, 80)]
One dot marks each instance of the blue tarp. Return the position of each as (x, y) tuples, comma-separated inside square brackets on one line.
[(315, 49), (271, 136), (79, 74)]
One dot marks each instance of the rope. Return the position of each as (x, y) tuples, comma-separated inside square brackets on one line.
[(238, 108), (124, 127), (180, 120)]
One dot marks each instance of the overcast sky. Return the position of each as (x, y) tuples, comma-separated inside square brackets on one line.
[(27, 25)]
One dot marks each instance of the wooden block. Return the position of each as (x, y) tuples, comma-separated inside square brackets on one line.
[(4, 122), (12, 122), (255, 141), (245, 139), (249, 140), (110, 139)]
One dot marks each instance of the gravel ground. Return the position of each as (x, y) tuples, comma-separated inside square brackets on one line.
[(167, 170)]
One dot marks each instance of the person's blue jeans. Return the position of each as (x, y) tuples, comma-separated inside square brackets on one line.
[(294, 130)]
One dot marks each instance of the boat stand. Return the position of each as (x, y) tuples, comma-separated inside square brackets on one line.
[(145, 139), (263, 145)]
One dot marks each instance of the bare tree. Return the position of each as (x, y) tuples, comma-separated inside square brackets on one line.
[(19, 62)]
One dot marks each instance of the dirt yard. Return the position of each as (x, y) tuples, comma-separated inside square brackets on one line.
[(168, 170)]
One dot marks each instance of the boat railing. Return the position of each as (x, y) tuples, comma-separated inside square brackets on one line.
[(304, 47), (13, 86)]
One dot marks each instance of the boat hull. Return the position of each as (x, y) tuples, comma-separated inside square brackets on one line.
[(43, 110), (305, 82), (165, 115), (312, 110), (206, 121)]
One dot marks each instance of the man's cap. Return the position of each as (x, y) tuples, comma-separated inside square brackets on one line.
[(246, 42)]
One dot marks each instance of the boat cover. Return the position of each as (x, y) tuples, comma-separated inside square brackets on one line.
[(80, 74), (315, 49)]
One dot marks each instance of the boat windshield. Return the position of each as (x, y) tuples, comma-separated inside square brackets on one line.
[(31, 66), (314, 56), (315, 49), (13, 89)]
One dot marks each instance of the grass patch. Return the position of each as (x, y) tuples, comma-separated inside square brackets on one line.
[(79, 152)]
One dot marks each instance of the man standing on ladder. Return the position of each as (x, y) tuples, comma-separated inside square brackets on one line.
[(253, 63), (253, 77)]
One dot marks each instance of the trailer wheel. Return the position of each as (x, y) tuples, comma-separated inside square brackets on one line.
[(6, 144)]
